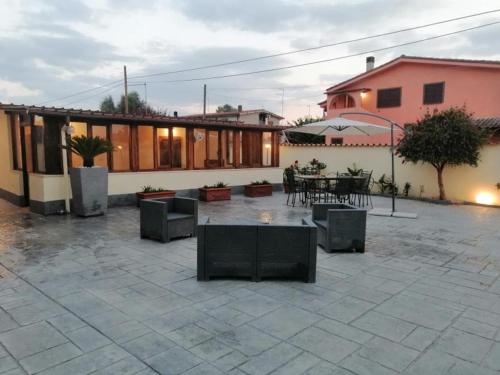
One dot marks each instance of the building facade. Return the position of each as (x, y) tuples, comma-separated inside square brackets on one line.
[(175, 153), (406, 88), (249, 116)]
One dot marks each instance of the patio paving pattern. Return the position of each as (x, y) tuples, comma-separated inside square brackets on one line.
[(88, 296)]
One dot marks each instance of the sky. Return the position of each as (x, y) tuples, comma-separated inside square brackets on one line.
[(50, 50)]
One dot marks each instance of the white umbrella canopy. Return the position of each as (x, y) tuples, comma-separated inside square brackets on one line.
[(340, 126)]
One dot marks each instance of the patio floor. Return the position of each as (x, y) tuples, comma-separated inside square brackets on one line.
[(80, 296)]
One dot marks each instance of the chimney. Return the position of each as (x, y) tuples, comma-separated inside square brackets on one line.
[(240, 108), (175, 114), (370, 63)]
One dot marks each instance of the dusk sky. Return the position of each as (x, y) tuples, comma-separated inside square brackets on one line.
[(52, 49)]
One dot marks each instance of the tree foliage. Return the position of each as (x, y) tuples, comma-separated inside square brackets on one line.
[(445, 138), (298, 138), (136, 105), (88, 148), (226, 108), (108, 104)]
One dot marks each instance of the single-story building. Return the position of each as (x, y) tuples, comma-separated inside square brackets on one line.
[(175, 153)]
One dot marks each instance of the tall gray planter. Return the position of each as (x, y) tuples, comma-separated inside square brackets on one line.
[(89, 187)]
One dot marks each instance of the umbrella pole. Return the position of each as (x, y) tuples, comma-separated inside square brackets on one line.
[(392, 169)]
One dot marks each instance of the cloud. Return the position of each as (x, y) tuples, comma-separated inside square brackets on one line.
[(11, 89)]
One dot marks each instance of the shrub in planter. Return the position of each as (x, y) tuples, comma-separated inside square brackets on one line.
[(89, 184), (259, 189), (149, 192), (218, 192)]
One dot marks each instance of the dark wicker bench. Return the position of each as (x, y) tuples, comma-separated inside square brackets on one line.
[(167, 218), (341, 227), (257, 250)]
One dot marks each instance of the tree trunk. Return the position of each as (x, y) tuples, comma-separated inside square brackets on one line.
[(442, 194)]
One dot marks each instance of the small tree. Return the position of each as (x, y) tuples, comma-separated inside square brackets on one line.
[(136, 105), (445, 138), (225, 108), (88, 148), (108, 104)]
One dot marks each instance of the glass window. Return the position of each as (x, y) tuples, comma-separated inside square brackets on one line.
[(241, 148), (163, 145), (101, 132), (434, 93), (79, 129), (387, 98), (266, 148), (179, 149), (120, 137), (213, 146), (227, 148), (200, 148), (146, 147), (39, 131)]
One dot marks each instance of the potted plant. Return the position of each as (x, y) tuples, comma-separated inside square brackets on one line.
[(89, 184), (149, 192), (217, 192), (259, 189), (354, 171), (317, 166)]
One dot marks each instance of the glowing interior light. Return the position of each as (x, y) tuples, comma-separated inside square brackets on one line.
[(267, 145), (484, 198)]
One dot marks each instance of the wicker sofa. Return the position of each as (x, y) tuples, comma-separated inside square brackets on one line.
[(341, 227), (257, 250), (167, 218)]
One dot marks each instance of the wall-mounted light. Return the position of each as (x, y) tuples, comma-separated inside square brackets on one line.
[(68, 129), (484, 197), (267, 145)]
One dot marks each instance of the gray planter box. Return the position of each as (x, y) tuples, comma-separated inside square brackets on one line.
[(89, 187), (341, 227), (257, 251)]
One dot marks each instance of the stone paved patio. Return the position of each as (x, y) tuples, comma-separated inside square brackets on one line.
[(80, 296)]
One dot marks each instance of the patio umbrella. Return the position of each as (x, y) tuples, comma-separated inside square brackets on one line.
[(343, 126), (340, 126)]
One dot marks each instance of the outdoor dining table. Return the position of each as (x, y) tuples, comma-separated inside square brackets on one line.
[(308, 179)]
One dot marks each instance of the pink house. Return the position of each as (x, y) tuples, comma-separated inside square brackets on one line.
[(407, 87)]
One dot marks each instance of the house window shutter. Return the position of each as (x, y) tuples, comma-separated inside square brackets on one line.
[(387, 98), (434, 93)]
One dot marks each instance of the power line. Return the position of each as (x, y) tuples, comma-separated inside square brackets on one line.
[(317, 47), (281, 54), (326, 60), (94, 95)]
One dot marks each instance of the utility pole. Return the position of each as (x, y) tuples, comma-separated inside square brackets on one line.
[(282, 101), (126, 87), (204, 100), (146, 97)]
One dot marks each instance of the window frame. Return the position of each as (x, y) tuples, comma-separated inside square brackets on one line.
[(400, 89), (442, 83)]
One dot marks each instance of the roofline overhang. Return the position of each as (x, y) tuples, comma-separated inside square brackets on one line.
[(104, 117), (416, 60)]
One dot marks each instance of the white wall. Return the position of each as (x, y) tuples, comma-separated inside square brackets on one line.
[(10, 180), (461, 183), (45, 188)]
